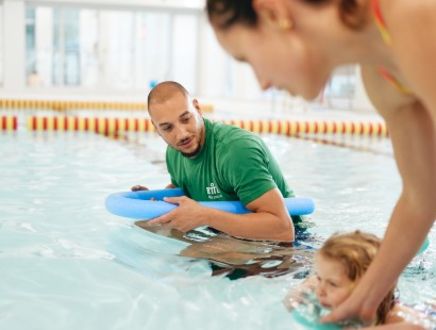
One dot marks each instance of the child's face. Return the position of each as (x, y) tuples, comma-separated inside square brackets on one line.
[(333, 285)]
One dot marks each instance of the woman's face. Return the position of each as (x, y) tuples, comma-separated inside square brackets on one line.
[(279, 58), (333, 285)]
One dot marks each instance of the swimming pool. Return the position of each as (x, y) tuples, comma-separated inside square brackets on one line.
[(66, 263)]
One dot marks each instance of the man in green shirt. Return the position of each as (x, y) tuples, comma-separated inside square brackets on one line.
[(217, 162)]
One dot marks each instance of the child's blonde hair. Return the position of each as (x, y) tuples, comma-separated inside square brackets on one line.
[(355, 251)]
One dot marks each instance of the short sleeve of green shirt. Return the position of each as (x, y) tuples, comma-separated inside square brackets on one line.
[(170, 158), (245, 167)]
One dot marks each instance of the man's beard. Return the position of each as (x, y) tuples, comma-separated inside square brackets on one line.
[(194, 153), (200, 146)]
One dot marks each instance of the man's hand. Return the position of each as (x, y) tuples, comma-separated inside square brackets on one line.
[(138, 188), (187, 216)]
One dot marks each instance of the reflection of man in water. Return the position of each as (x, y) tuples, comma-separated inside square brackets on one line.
[(217, 162), (236, 258)]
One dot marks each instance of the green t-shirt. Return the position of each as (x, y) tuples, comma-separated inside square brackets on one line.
[(233, 164)]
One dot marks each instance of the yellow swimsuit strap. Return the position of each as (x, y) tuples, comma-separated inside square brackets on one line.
[(380, 22)]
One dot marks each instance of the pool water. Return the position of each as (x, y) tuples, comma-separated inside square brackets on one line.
[(66, 263)]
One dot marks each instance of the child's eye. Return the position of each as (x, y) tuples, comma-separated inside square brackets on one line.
[(333, 284), (167, 128)]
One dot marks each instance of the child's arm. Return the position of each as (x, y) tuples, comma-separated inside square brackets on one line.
[(295, 294)]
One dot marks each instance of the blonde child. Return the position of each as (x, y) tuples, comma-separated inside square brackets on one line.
[(339, 265)]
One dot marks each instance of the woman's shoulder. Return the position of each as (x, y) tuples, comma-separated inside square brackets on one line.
[(409, 15), (382, 94), (407, 8)]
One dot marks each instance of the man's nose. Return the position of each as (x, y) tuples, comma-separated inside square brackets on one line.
[(181, 132)]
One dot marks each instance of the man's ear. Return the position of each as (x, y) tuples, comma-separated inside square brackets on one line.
[(274, 13), (196, 105), (151, 119), (154, 125)]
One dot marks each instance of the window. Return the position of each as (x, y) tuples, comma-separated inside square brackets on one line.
[(1, 43), (117, 48), (152, 55), (89, 47), (39, 46), (109, 49), (66, 60), (184, 50), (341, 88)]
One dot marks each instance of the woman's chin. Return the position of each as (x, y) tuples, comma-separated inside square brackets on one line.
[(313, 94), (309, 94)]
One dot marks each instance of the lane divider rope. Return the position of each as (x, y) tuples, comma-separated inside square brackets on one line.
[(64, 105), (8, 123), (281, 127)]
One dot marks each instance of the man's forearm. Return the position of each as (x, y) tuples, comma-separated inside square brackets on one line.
[(260, 225)]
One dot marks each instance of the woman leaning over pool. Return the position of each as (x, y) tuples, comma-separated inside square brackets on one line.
[(296, 44)]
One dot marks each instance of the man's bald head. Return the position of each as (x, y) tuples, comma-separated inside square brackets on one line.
[(176, 117), (164, 91)]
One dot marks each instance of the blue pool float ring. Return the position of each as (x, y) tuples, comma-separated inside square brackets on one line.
[(148, 204)]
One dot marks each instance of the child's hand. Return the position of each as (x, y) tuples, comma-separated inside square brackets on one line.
[(298, 295)]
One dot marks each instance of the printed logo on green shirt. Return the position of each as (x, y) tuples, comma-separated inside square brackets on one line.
[(213, 191)]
